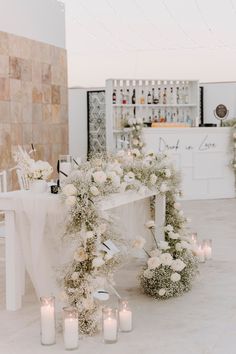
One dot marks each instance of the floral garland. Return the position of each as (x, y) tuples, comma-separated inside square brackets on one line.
[(234, 150), (91, 270)]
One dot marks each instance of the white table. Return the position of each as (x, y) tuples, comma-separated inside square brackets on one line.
[(48, 205)]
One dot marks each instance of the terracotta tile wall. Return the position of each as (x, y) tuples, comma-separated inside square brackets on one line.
[(33, 100)]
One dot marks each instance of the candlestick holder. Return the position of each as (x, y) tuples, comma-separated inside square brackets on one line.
[(70, 328), (110, 325), (125, 316), (48, 320)]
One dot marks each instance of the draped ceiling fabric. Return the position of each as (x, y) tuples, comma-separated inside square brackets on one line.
[(174, 39)]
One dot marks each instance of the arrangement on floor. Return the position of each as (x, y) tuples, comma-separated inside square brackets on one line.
[(99, 249)]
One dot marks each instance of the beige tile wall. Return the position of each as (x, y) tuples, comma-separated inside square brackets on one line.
[(33, 100)]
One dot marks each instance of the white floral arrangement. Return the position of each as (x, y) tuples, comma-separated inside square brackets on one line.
[(172, 263), (100, 248), (31, 169)]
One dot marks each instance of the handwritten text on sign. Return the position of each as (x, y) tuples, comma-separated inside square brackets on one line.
[(205, 144)]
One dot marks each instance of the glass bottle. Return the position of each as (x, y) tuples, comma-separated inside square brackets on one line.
[(142, 98), (114, 96), (165, 96), (133, 97), (149, 98)]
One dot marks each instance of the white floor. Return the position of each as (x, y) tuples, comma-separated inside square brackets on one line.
[(201, 322)]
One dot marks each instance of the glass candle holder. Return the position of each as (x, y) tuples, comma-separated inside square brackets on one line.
[(110, 325), (201, 252), (65, 166), (70, 328), (125, 316), (48, 320), (207, 246)]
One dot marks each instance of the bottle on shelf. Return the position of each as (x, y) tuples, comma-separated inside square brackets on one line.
[(133, 97), (114, 96), (182, 94), (149, 98), (186, 94), (153, 95), (142, 98), (124, 101), (165, 96), (159, 95), (172, 98), (177, 95), (121, 96), (127, 96)]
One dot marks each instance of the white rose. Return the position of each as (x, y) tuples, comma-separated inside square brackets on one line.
[(89, 234), (173, 235), (80, 255), (167, 173), (69, 189), (177, 206), (148, 274), (153, 179), (139, 243), (130, 177), (120, 153), (149, 224), (175, 277), (178, 265), (163, 188), (155, 253), (97, 262), (166, 259), (135, 142), (153, 263), (169, 228), (71, 200), (94, 191), (163, 245), (161, 292), (178, 247), (136, 152), (99, 177), (75, 276)]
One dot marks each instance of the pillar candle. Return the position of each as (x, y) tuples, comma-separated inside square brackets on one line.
[(110, 329), (125, 317), (71, 334), (48, 330)]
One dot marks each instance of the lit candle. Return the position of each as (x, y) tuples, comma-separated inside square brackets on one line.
[(48, 328), (207, 249), (125, 316), (194, 238), (201, 254), (71, 328), (110, 325)]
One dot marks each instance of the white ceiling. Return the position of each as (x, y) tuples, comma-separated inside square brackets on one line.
[(150, 39)]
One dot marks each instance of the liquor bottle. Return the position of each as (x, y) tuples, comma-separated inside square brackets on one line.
[(149, 98), (153, 95), (165, 96), (127, 96), (172, 99), (182, 95), (133, 97), (177, 95), (142, 98), (186, 94), (159, 95), (155, 99), (114, 96), (121, 96)]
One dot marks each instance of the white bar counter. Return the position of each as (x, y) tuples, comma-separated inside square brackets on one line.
[(202, 155)]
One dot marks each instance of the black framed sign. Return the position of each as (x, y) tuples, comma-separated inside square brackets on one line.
[(96, 111)]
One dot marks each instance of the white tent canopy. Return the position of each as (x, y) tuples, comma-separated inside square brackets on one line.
[(150, 39)]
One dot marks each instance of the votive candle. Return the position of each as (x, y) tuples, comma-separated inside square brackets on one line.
[(48, 324), (125, 316), (71, 328), (110, 325)]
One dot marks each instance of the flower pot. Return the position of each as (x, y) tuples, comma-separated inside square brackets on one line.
[(38, 186)]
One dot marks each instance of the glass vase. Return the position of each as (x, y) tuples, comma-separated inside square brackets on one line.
[(70, 328), (48, 320)]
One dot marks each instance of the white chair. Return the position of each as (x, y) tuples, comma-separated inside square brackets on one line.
[(23, 181)]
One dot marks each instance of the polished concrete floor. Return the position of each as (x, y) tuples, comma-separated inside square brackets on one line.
[(201, 322)]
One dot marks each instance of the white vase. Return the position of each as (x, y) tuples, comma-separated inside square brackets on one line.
[(38, 186)]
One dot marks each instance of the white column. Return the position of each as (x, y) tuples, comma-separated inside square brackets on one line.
[(160, 216), (14, 264)]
